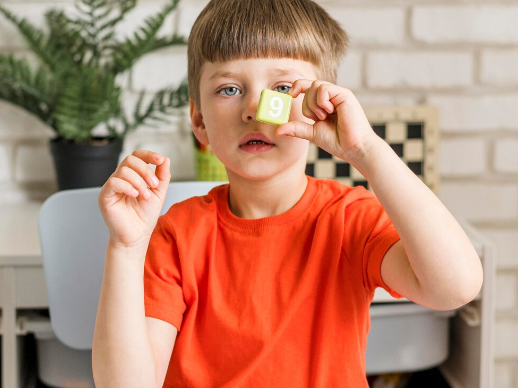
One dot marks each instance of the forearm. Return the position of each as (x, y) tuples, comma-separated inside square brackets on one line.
[(440, 253), (122, 356)]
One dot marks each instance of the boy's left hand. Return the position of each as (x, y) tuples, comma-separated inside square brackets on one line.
[(341, 127)]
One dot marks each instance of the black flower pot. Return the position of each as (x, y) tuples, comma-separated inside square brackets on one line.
[(85, 165)]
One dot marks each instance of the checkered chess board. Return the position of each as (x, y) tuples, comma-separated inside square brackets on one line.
[(411, 131)]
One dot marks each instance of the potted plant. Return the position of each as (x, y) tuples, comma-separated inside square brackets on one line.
[(74, 88)]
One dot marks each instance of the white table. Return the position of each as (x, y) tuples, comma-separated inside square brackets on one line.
[(22, 286)]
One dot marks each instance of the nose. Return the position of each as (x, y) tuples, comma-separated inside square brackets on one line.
[(251, 102)]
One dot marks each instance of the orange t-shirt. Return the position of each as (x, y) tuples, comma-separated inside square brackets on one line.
[(280, 301)]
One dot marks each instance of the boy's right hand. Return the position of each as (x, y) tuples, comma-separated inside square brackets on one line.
[(131, 217)]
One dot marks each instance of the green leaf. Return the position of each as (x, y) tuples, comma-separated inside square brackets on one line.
[(73, 87), (66, 37), (21, 86), (88, 99), (125, 54), (36, 39), (164, 102)]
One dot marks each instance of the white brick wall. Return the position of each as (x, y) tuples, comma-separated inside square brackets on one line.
[(498, 67), (350, 72), (458, 56), (17, 124), (463, 157), (359, 22), (169, 67), (476, 111), (465, 23), (6, 164), (33, 163), (507, 340), (506, 284), (429, 70), (507, 249), (480, 201), (504, 375), (506, 155), (188, 11)]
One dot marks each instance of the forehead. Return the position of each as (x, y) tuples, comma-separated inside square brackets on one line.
[(258, 68)]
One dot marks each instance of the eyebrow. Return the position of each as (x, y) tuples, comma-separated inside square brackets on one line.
[(277, 72)]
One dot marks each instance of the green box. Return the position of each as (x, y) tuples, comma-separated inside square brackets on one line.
[(274, 107), (209, 167)]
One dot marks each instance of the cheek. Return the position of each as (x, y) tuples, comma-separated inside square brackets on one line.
[(225, 102), (295, 148), (223, 111)]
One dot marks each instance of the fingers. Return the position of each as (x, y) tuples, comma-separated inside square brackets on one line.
[(163, 169), (323, 99), (135, 175), (119, 185), (137, 182), (300, 86), (306, 111), (312, 103), (298, 129), (317, 103), (139, 162)]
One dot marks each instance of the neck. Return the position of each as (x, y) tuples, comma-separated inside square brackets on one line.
[(258, 199)]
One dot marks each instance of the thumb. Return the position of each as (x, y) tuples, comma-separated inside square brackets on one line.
[(163, 173), (297, 129)]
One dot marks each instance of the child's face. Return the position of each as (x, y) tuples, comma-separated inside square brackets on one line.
[(229, 96)]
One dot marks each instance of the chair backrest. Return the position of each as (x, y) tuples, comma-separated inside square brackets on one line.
[(73, 238)]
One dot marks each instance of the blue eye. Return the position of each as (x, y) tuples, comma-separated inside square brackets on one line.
[(233, 91), (285, 90)]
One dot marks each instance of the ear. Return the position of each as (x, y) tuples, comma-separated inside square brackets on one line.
[(197, 124)]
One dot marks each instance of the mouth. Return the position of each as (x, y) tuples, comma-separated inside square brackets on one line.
[(255, 138), (255, 142), (256, 147)]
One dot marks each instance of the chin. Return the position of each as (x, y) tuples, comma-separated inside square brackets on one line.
[(253, 174)]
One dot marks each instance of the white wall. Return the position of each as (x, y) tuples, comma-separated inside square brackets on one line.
[(461, 56)]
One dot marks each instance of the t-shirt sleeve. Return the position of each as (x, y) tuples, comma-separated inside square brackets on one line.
[(163, 296), (371, 234)]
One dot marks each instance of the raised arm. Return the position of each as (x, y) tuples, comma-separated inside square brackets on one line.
[(130, 350)]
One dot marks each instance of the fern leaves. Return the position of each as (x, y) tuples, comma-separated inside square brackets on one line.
[(83, 105), (144, 40), (163, 103), (74, 89), (35, 38), (20, 85)]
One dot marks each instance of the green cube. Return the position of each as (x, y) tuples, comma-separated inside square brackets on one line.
[(274, 107)]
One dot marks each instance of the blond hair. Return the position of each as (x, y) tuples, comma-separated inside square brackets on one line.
[(236, 29)]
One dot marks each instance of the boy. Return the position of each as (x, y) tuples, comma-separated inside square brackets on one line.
[(267, 281)]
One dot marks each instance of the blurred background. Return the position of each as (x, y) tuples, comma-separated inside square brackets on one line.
[(459, 56)]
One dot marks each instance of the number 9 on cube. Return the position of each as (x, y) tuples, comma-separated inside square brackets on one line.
[(274, 107)]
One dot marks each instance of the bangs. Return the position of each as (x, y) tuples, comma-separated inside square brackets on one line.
[(259, 29), (227, 30)]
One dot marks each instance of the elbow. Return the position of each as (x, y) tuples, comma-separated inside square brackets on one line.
[(457, 294), (473, 285), (474, 289), (475, 281)]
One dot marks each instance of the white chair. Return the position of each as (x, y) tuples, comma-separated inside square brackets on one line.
[(73, 238)]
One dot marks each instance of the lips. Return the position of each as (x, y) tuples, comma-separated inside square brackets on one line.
[(255, 136)]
